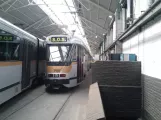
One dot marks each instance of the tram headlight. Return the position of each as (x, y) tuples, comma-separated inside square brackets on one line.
[(50, 75), (62, 75)]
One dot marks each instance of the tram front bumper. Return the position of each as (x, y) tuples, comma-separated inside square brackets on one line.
[(56, 81)]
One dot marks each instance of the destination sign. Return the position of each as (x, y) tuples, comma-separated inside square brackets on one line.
[(6, 38), (58, 39)]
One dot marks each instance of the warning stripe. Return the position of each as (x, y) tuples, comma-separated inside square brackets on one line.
[(11, 63)]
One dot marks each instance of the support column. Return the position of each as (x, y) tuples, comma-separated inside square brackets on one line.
[(123, 19), (118, 47)]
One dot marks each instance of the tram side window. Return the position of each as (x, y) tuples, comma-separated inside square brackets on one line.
[(82, 54), (9, 46), (74, 58), (33, 51)]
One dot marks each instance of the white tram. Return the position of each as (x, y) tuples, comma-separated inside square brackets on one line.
[(68, 61), (22, 60)]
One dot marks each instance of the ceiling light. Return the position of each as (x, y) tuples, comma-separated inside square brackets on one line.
[(103, 33), (96, 36), (110, 16)]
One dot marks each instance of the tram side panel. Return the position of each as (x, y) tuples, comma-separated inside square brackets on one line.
[(86, 61), (79, 64), (41, 61), (71, 70), (18, 60), (82, 63), (10, 66), (29, 73), (33, 60), (17, 66)]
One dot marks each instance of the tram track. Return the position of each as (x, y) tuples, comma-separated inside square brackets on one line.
[(24, 105), (58, 114), (10, 110)]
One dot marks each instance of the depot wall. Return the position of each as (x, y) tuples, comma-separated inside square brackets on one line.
[(146, 44)]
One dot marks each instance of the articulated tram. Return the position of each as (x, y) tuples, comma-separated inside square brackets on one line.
[(68, 61), (22, 60)]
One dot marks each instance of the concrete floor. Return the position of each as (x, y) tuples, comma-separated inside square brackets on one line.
[(37, 104)]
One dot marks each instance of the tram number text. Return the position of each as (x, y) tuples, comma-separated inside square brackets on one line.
[(58, 39), (6, 38)]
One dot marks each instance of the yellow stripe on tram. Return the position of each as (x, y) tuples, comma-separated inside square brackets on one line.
[(11, 63)]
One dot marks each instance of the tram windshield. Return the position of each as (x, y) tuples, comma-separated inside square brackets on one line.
[(58, 53)]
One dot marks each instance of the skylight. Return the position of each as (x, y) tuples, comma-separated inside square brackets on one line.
[(64, 13)]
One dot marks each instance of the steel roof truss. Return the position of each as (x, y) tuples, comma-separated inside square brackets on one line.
[(19, 11), (11, 5), (92, 22), (92, 32), (101, 7), (30, 26)]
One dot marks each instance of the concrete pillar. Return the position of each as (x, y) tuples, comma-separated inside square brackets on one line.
[(114, 31), (123, 19), (111, 37), (118, 47), (106, 42), (119, 26), (120, 22), (129, 8)]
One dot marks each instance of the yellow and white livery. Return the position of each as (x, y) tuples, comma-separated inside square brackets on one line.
[(67, 61)]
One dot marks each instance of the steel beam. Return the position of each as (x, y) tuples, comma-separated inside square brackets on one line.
[(4, 3), (24, 7), (51, 31), (92, 37), (101, 7), (47, 26), (18, 11), (72, 15), (93, 45), (92, 23), (30, 9), (15, 17), (98, 10), (83, 5), (109, 5), (91, 42), (42, 22), (92, 32), (53, 13), (11, 5), (35, 23)]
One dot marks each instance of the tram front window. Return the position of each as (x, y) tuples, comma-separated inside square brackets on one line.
[(59, 53)]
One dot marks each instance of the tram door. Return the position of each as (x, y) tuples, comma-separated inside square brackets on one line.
[(79, 64), (26, 65)]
